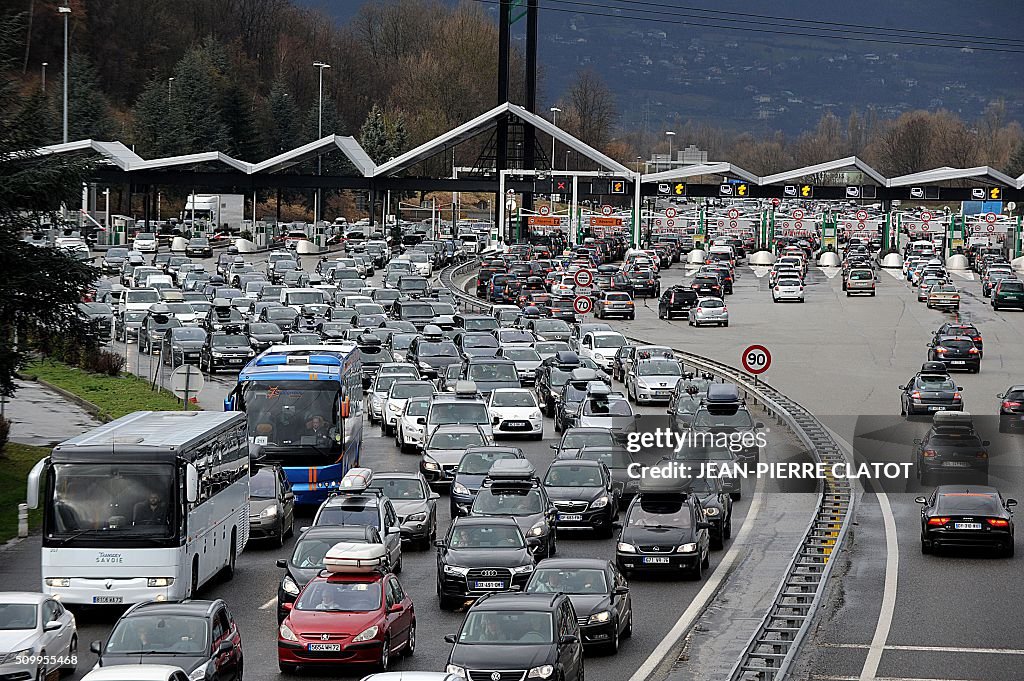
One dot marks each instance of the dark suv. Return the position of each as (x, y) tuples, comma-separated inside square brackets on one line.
[(201, 637), (1008, 293), (507, 637), (225, 350), (951, 447), (676, 300)]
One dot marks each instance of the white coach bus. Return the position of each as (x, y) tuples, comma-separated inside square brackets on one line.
[(148, 507)]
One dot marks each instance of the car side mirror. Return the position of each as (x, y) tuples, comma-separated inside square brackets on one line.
[(759, 424), (620, 591), (52, 625), (920, 500), (421, 420), (1011, 502), (703, 526), (567, 640), (397, 607), (959, 387), (287, 606), (450, 638), (281, 563), (303, 529), (902, 387), (917, 440), (434, 495), (225, 647), (495, 421), (985, 443), (96, 647), (441, 543)]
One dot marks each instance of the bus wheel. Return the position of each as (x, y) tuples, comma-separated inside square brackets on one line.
[(195, 577), (229, 569)]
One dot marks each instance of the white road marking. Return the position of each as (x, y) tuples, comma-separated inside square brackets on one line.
[(831, 677), (760, 271), (969, 276), (704, 596), (896, 274), (269, 604), (830, 272), (892, 564), (933, 649)]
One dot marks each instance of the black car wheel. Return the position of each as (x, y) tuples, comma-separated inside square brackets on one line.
[(410, 643), (613, 644), (697, 571)]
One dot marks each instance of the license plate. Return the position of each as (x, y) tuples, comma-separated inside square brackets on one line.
[(108, 600), (490, 585), (324, 647), (935, 408), (659, 560), (956, 464), (662, 393), (570, 517), (966, 526), (516, 424), (958, 361), (234, 361)]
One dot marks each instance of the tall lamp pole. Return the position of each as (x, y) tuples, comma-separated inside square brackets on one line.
[(169, 81), (554, 121), (670, 135), (66, 11), (319, 133), (45, 64)]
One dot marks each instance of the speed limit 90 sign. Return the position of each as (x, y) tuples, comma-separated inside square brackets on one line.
[(756, 359)]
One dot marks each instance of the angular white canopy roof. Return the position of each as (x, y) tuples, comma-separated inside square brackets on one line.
[(686, 172), (827, 167)]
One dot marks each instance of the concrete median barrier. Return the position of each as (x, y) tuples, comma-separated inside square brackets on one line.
[(696, 257), (763, 258), (892, 261), (829, 259), (306, 248), (957, 263), (1018, 264), (245, 246), (178, 244)]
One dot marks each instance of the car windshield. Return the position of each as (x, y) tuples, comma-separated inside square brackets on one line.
[(513, 398), (551, 347), (479, 463), (740, 419), (581, 581), (444, 349), (520, 354), (415, 284), (515, 336), (484, 537), (962, 345), (154, 634), (482, 324), (331, 596), (445, 440), (936, 383), (550, 325), (482, 341), (443, 309), (610, 341), (658, 367), (349, 514), (514, 502), (305, 297), (265, 328), (507, 627), (142, 296), (789, 282), (385, 381), (404, 389), (14, 616), (263, 485), (1011, 286), (578, 440), (573, 476), (603, 406), (659, 511), (611, 457), (974, 503), (135, 315), (493, 372), (400, 489), (417, 406), (463, 411), (230, 340)]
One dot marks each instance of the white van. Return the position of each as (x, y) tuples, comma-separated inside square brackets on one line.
[(295, 298)]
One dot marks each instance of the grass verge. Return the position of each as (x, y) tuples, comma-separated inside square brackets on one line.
[(15, 464), (114, 395)]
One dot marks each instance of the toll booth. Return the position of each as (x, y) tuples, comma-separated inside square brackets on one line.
[(122, 229), (320, 235)]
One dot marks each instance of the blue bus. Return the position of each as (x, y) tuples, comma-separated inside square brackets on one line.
[(304, 408)]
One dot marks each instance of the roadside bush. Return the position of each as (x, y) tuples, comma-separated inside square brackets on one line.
[(106, 362), (5, 433)]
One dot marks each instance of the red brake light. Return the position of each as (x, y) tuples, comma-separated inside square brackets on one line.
[(937, 522), (776, 288), (956, 396), (981, 455), (1007, 404), (977, 339), (972, 351), (939, 349), (916, 394), (928, 453), (700, 309), (998, 522)]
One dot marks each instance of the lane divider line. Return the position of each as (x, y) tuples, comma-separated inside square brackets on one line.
[(869, 672)]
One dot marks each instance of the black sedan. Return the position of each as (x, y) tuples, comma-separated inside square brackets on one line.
[(1011, 409), (599, 595), (199, 247), (929, 393), (182, 345), (618, 460), (707, 286), (961, 516), (584, 494), (956, 352), (958, 451), (962, 329)]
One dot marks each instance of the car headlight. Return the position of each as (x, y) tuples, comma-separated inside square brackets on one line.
[(542, 672), (367, 634), (537, 530), (289, 586), (218, 354), (459, 488), (430, 464), (455, 570), (159, 581), (599, 357), (58, 581), (712, 511), (199, 672), (687, 548), (424, 365), (522, 569), (600, 502), (623, 547), (456, 670), (269, 512), (418, 517), (536, 415), (599, 617), (286, 633), (11, 657), (392, 406)]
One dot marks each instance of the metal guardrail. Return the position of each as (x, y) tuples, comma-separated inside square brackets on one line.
[(772, 649)]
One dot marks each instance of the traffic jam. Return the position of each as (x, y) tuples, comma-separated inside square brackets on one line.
[(430, 446)]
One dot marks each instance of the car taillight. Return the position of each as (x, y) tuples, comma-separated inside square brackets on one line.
[(916, 395), (977, 339), (928, 453), (939, 349), (981, 455), (1007, 404), (937, 522), (725, 309), (972, 351), (998, 522), (956, 397), (700, 309), (776, 288)]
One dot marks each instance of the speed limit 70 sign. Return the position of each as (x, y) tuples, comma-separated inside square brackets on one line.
[(756, 359)]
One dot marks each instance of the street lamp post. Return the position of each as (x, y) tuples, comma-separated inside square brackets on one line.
[(670, 135), (66, 11), (169, 81), (567, 152), (45, 64), (554, 121), (319, 133)]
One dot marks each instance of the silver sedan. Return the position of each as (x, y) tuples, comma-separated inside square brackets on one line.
[(709, 311)]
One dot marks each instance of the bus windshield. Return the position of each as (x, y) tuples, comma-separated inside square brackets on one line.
[(112, 501), (292, 413)]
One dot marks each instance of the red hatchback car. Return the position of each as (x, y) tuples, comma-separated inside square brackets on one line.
[(347, 619)]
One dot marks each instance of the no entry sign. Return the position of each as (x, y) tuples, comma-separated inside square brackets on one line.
[(583, 278), (756, 359)]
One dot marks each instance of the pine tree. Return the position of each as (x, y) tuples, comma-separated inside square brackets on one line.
[(1015, 168), (88, 109), (373, 136), (398, 136), (151, 120), (240, 120), (45, 125), (196, 116), (279, 130)]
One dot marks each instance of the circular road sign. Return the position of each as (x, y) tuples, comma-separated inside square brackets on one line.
[(583, 278), (544, 210), (606, 210), (186, 381), (990, 218), (798, 214), (670, 222), (926, 216), (991, 227), (732, 224), (582, 305), (657, 222), (670, 212), (756, 359), (862, 215), (733, 213), (776, 202)]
